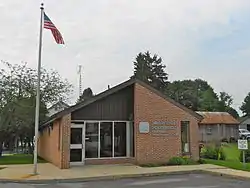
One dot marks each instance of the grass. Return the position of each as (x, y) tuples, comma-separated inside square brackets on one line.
[(18, 159), (232, 158), (232, 152), (237, 165)]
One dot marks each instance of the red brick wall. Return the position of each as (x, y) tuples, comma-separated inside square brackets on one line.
[(54, 143), (65, 140), (150, 107), (48, 144), (109, 161)]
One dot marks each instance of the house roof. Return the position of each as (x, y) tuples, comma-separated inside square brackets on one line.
[(213, 118), (111, 91)]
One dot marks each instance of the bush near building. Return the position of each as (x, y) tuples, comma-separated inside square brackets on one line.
[(174, 161), (213, 152), (181, 161)]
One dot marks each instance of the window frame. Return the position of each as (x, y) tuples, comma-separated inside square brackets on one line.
[(129, 142), (208, 130), (188, 138)]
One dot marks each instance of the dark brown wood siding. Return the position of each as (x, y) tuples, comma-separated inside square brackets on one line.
[(118, 106)]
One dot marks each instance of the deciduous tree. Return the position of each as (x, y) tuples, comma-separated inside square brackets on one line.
[(18, 92), (245, 107)]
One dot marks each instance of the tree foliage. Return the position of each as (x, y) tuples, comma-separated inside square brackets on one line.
[(86, 94), (198, 95), (151, 70), (192, 93), (245, 107), (18, 93)]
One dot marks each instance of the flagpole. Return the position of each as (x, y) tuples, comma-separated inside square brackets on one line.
[(38, 91)]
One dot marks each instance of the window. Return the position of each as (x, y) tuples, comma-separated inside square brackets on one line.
[(106, 139), (120, 139), (101, 139), (131, 139), (185, 137), (91, 140), (209, 130), (75, 155), (76, 136), (248, 127)]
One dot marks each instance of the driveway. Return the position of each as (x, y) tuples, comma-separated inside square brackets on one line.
[(171, 181)]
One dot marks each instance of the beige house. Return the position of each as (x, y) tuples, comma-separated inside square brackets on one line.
[(218, 126)]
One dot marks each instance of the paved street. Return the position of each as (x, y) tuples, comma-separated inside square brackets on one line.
[(173, 181)]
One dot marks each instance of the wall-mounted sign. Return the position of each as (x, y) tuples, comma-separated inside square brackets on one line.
[(143, 127), (164, 128), (164, 123)]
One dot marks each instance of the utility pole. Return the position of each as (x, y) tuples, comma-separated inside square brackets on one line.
[(80, 80)]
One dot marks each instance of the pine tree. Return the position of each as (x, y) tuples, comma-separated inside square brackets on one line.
[(160, 79), (142, 68), (151, 70), (86, 94)]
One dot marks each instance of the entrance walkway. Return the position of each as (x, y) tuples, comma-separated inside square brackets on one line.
[(48, 172)]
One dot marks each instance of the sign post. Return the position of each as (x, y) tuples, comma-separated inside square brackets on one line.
[(243, 145)]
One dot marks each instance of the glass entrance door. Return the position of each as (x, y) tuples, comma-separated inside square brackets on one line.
[(77, 144)]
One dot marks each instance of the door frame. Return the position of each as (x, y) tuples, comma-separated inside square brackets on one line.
[(79, 146)]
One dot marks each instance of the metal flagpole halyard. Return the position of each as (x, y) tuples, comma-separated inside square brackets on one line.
[(38, 91)]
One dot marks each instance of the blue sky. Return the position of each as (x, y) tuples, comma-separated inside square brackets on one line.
[(206, 39)]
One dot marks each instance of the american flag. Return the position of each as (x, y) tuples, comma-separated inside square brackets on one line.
[(49, 25)]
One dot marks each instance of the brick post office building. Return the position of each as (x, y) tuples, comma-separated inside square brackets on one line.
[(129, 123)]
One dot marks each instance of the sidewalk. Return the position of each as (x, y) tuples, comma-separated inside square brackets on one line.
[(48, 172)]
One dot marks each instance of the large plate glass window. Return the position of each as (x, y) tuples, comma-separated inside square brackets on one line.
[(91, 140), (106, 139), (120, 139)]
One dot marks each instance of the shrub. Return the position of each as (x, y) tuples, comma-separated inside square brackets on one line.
[(209, 153), (201, 161), (189, 161), (181, 161), (176, 161), (232, 139), (224, 140), (215, 153), (152, 165), (247, 156), (220, 153)]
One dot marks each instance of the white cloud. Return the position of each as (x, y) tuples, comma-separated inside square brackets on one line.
[(105, 36)]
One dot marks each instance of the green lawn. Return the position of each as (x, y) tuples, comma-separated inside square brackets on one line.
[(230, 164), (232, 152), (18, 159), (232, 158)]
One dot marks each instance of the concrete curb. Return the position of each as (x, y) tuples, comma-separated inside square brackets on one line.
[(122, 176), (98, 178), (225, 175)]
